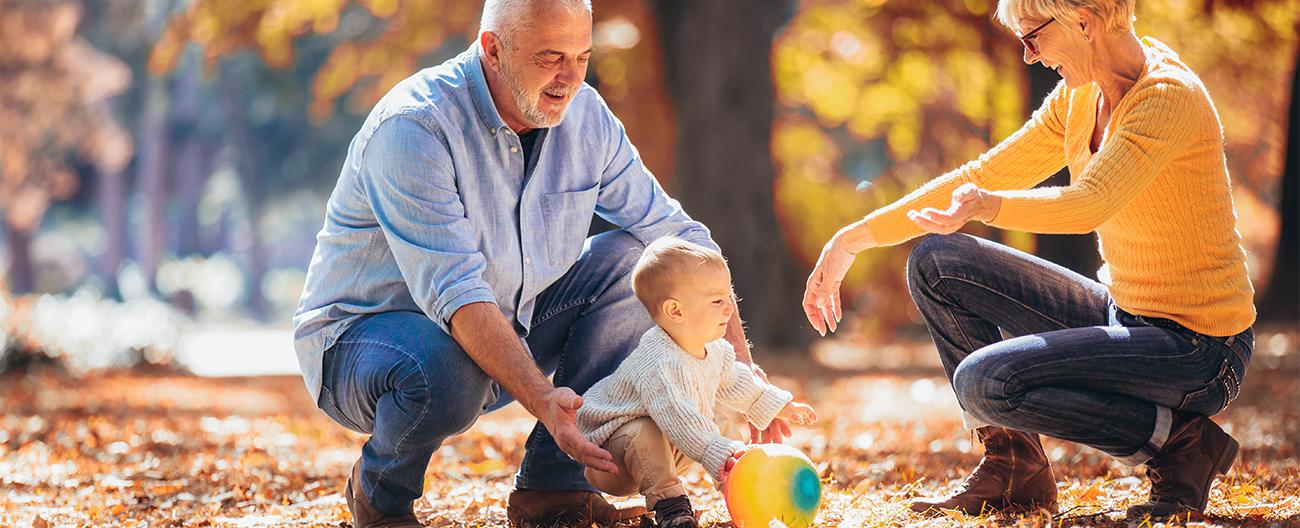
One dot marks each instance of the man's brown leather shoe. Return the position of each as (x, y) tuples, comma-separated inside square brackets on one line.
[(1013, 475), (364, 515), (1183, 472), (566, 509)]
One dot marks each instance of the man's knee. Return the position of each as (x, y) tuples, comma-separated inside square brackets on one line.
[(619, 248), (437, 381)]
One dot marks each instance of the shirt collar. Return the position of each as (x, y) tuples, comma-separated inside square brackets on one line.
[(478, 89)]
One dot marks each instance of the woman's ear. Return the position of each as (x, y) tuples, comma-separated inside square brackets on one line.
[(1086, 22)]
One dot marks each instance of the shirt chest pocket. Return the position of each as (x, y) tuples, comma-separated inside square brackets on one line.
[(567, 220)]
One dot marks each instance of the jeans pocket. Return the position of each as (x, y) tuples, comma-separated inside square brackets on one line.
[(1231, 383), (1215, 395)]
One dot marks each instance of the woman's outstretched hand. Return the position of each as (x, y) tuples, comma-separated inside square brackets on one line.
[(821, 298), (969, 202)]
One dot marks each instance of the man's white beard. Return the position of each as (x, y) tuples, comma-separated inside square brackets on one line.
[(528, 102)]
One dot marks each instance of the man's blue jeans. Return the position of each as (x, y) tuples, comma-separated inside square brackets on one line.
[(399, 378), (1076, 367)]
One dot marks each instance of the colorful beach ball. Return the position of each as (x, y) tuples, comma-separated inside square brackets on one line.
[(773, 482)]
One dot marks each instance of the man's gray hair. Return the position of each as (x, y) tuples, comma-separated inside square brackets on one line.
[(507, 17)]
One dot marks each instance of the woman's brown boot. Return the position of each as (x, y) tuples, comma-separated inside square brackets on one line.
[(1183, 472), (1013, 475)]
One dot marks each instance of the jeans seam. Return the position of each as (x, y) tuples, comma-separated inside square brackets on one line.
[(970, 347), (424, 411), (1003, 295), (563, 308)]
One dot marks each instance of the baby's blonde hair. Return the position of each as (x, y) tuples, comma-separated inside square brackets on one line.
[(1115, 15), (664, 263)]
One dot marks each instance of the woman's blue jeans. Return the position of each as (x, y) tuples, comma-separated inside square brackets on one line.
[(399, 378), (1075, 367)]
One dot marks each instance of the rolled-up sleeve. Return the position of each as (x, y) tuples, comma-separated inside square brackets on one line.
[(631, 197), (410, 184)]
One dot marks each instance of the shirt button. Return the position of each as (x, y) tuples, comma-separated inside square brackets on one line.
[(514, 149), (528, 261), (493, 131)]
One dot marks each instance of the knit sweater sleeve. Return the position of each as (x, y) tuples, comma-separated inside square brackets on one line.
[(1159, 122), (673, 409), (742, 390), (1020, 161)]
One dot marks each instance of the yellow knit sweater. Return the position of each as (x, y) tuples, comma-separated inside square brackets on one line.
[(1157, 193)]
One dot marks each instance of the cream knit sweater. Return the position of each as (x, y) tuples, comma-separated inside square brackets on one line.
[(1157, 194), (678, 391)]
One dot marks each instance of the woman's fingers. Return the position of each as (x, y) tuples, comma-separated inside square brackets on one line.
[(814, 299)]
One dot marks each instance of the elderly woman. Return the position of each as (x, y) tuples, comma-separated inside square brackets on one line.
[(1131, 365)]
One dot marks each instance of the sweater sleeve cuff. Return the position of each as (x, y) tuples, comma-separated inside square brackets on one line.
[(716, 455), (768, 405)]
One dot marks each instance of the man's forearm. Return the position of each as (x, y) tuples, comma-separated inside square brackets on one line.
[(491, 342), (736, 335)]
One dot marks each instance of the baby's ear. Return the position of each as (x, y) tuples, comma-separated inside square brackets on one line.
[(672, 309)]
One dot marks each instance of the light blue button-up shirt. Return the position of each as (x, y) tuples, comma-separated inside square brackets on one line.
[(433, 209)]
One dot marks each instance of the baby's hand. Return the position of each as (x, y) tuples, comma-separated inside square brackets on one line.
[(799, 413), (738, 450)]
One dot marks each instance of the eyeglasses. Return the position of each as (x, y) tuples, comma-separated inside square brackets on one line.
[(1029, 44)]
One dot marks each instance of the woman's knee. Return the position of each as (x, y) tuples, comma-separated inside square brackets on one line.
[(923, 261), (985, 382)]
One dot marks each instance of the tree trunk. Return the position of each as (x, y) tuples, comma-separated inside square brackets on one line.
[(1280, 301), (111, 198), (191, 174), (1077, 252), (233, 78), (20, 276), (718, 56), (152, 163)]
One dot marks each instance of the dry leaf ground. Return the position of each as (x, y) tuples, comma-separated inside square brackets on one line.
[(133, 449)]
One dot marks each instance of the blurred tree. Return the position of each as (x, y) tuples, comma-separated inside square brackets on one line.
[(53, 112), (880, 96), (1280, 301), (877, 97), (719, 74), (1076, 252), (376, 44)]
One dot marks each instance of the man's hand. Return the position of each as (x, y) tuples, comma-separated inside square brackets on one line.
[(491, 342), (560, 416), (777, 430), (969, 202)]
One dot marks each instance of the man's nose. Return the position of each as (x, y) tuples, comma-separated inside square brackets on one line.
[(573, 73)]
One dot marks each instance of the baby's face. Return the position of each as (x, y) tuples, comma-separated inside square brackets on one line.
[(706, 302)]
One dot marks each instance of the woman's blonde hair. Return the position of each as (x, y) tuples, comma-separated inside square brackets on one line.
[(1115, 15)]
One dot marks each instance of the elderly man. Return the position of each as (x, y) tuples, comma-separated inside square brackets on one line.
[(454, 272)]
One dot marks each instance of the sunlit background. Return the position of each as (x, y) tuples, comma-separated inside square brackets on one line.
[(164, 164), (164, 168)]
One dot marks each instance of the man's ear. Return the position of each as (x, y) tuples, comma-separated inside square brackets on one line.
[(672, 309), (492, 49)]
